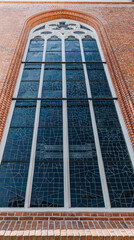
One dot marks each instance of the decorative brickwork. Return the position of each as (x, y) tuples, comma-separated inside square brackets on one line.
[(34, 225)]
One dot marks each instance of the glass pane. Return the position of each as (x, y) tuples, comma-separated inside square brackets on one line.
[(34, 57), (52, 89), (88, 38), (36, 44), (24, 114), (76, 89), (53, 72), (92, 56), (100, 90), (13, 181), (50, 114), (54, 46), (78, 114), (118, 167), (28, 90), (31, 74), (90, 46), (53, 57), (105, 114), (18, 145), (73, 57), (48, 188), (49, 144), (72, 46), (85, 185), (94, 66), (97, 75)]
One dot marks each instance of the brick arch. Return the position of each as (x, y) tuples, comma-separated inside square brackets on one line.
[(121, 89)]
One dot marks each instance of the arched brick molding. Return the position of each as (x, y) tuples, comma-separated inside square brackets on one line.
[(122, 92)]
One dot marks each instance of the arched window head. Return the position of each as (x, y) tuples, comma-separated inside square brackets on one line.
[(64, 146)]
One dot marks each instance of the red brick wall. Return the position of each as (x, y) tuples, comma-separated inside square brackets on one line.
[(114, 24)]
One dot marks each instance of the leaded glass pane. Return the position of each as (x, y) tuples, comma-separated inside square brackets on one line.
[(50, 114), (24, 114), (48, 188), (97, 75), (78, 114), (105, 114), (28, 90), (13, 180), (90, 46), (72, 45), (100, 90), (76, 89), (92, 57), (53, 72), (53, 57), (52, 89), (18, 145), (36, 45)]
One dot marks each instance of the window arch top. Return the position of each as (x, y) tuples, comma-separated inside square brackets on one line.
[(62, 29)]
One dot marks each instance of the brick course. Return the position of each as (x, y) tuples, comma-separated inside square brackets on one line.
[(114, 24)]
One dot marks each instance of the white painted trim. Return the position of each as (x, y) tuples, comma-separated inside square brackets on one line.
[(35, 133), (67, 203)]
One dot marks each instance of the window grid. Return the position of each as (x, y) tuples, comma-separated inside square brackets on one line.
[(65, 130)]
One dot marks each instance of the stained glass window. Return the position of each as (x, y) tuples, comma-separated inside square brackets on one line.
[(65, 147)]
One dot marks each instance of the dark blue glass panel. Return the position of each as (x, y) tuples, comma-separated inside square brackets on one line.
[(49, 144), (52, 89), (54, 46), (50, 114), (18, 145), (32, 66), (105, 114), (76, 89), (78, 114), (31, 74), (95, 66), (48, 188), (36, 45), (34, 57), (73, 57), (72, 46), (85, 185), (53, 72), (13, 181), (75, 75), (81, 136), (74, 66), (24, 114), (53, 57), (97, 75), (100, 90), (118, 167), (90, 46), (28, 90), (92, 57)]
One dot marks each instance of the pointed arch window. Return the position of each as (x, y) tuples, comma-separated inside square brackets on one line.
[(65, 147)]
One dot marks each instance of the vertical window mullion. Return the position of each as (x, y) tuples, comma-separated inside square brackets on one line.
[(96, 137), (65, 133), (34, 141)]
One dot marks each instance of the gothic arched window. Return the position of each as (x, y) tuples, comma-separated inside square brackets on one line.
[(65, 146)]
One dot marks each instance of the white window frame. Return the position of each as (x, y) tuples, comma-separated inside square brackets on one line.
[(63, 34)]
